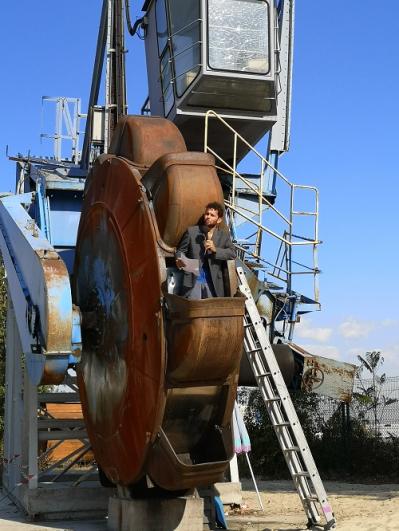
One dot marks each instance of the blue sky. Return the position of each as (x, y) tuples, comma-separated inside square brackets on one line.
[(344, 141)]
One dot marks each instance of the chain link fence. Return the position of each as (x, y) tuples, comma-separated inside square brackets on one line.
[(355, 441), (378, 414)]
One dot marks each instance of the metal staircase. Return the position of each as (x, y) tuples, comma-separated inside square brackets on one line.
[(282, 414), (289, 231)]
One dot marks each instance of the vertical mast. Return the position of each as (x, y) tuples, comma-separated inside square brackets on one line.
[(115, 103), (110, 45)]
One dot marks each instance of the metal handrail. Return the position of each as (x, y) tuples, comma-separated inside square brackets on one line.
[(211, 113), (182, 29), (252, 187), (289, 239)]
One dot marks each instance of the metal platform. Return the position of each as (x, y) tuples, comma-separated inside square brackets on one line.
[(44, 471), (62, 501)]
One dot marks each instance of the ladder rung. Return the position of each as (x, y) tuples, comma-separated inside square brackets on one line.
[(259, 349), (264, 374), (292, 449), (272, 399), (282, 425), (312, 498), (302, 473)]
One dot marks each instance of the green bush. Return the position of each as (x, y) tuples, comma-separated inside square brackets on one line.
[(343, 447), (266, 456)]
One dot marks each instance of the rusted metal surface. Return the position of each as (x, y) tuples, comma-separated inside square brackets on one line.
[(54, 369), (205, 338), (286, 363), (326, 376), (117, 279), (195, 443), (57, 322), (310, 373), (152, 404), (142, 140), (181, 185)]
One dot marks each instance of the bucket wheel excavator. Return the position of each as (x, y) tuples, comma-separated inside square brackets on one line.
[(89, 248), (159, 373)]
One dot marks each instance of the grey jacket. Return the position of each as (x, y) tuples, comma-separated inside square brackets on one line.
[(192, 245)]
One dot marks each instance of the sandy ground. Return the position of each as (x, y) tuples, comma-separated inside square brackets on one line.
[(356, 507)]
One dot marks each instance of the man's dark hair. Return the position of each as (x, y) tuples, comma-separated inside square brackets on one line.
[(216, 206)]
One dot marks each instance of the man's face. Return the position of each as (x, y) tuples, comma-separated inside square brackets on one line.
[(211, 218)]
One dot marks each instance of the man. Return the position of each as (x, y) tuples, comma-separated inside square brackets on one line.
[(212, 246)]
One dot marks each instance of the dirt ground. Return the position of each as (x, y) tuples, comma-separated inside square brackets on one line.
[(356, 507)]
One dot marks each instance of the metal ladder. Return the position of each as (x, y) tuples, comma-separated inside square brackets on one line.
[(282, 414)]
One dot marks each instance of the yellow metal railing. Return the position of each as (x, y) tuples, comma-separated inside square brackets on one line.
[(288, 239)]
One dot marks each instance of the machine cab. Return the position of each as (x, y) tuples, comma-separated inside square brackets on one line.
[(212, 54)]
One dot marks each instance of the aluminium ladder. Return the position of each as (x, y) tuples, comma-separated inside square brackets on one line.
[(282, 413)]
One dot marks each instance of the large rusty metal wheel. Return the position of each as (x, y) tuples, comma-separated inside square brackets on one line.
[(158, 373), (117, 287)]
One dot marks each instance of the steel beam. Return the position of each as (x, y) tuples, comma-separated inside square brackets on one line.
[(95, 84), (40, 290), (279, 140)]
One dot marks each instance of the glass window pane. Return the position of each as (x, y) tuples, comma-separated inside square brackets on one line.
[(186, 36), (187, 66), (182, 14), (168, 99), (162, 25), (166, 82), (166, 73), (238, 35)]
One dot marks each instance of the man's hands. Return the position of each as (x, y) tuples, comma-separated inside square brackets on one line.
[(209, 246), (179, 263)]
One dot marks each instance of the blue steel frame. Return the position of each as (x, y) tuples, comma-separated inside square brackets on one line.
[(33, 244)]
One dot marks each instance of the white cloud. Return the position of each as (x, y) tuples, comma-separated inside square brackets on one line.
[(307, 331), (390, 353), (354, 328), (390, 323), (327, 351), (357, 351)]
